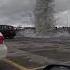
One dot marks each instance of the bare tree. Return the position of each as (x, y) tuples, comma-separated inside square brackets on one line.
[(44, 15)]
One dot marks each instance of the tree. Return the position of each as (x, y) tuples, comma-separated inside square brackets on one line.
[(44, 15)]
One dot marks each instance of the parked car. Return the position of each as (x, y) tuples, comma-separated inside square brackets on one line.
[(3, 48), (8, 31)]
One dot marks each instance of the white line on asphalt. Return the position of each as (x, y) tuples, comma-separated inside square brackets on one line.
[(38, 68), (21, 67), (67, 62), (16, 65)]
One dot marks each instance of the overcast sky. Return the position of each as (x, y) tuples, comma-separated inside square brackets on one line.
[(15, 11), (62, 5), (62, 8), (19, 11)]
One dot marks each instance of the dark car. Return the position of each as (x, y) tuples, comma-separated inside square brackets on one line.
[(8, 31)]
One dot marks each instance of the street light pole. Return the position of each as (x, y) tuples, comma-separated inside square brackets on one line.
[(67, 20)]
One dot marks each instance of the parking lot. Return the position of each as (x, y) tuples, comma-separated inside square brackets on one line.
[(34, 34), (7, 66), (34, 53)]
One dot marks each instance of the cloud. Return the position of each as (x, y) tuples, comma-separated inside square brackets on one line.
[(62, 5), (14, 11), (12, 6), (63, 19)]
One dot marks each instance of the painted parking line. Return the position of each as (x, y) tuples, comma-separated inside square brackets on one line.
[(42, 67), (16, 65), (67, 62), (21, 67)]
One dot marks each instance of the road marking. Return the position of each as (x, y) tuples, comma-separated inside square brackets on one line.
[(67, 62), (42, 67), (21, 67), (16, 65)]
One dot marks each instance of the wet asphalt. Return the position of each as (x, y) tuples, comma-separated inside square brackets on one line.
[(38, 52)]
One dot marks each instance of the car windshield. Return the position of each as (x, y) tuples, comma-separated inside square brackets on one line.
[(40, 33)]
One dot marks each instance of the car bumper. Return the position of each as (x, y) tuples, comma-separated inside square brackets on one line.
[(3, 51)]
